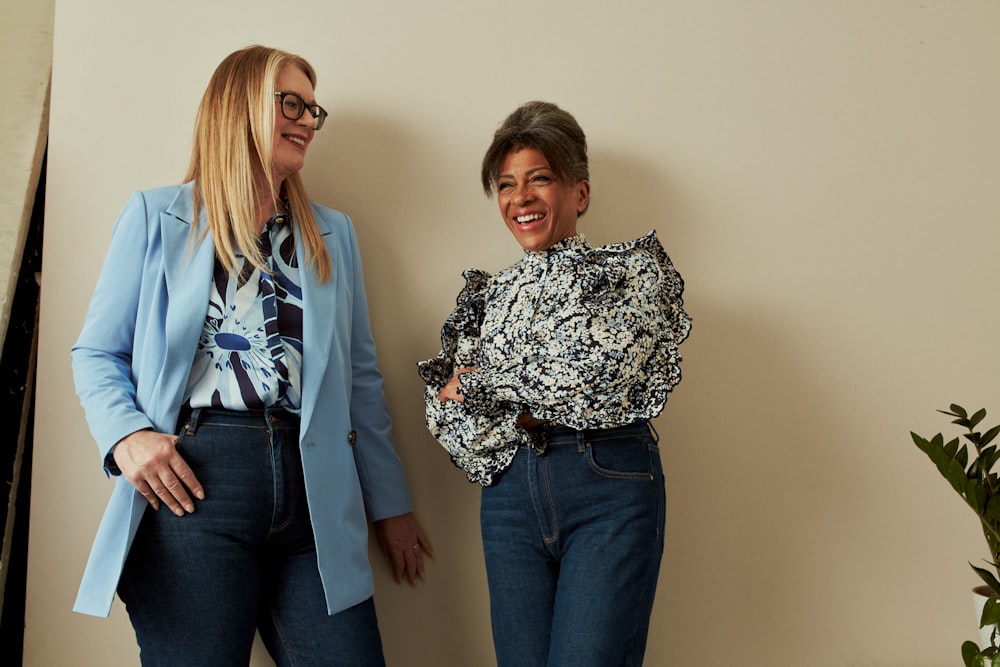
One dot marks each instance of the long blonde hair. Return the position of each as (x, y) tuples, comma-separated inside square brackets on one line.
[(231, 157)]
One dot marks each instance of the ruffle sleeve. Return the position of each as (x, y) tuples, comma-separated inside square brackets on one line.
[(629, 277), (481, 442)]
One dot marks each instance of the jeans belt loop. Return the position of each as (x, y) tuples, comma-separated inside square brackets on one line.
[(191, 419)]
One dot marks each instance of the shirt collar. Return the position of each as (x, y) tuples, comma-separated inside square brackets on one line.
[(568, 246)]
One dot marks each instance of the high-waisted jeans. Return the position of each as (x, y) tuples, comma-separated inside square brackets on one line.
[(573, 539), (197, 587)]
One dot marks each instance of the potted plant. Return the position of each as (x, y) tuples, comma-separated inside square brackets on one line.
[(970, 472)]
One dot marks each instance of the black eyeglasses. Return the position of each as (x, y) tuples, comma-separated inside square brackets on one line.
[(293, 106)]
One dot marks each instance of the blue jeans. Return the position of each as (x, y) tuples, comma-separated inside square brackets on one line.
[(198, 587), (573, 539)]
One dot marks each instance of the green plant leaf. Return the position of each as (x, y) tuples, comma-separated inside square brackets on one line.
[(938, 441), (970, 488), (992, 513), (962, 417), (969, 651), (991, 612), (988, 577), (951, 449), (988, 458), (962, 457), (923, 444), (990, 435)]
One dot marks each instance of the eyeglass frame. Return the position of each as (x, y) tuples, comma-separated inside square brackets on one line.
[(318, 113)]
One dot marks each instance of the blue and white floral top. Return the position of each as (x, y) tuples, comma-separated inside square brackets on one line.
[(574, 335), (250, 352)]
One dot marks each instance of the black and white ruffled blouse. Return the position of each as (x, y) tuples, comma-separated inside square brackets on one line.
[(579, 336)]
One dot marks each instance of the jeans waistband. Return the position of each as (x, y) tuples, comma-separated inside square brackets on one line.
[(191, 417), (564, 435)]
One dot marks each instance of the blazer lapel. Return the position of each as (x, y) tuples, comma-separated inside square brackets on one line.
[(317, 319), (188, 271)]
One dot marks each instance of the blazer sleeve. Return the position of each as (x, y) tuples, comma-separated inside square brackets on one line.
[(102, 355), (383, 481)]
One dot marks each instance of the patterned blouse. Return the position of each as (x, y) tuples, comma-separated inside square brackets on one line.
[(579, 336), (250, 352)]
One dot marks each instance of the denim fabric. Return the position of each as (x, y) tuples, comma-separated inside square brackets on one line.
[(197, 587), (573, 539)]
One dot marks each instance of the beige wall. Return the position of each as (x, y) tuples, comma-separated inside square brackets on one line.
[(825, 176)]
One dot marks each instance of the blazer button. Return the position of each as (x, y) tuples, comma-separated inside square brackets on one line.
[(352, 437)]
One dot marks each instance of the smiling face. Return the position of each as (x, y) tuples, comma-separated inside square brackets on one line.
[(292, 137), (539, 209)]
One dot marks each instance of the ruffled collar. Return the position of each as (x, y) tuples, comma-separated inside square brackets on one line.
[(570, 245)]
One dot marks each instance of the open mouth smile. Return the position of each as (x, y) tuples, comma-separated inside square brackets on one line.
[(526, 219)]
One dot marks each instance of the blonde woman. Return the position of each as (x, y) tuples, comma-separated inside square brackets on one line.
[(228, 374)]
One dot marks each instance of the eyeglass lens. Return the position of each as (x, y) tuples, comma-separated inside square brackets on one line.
[(292, 108)]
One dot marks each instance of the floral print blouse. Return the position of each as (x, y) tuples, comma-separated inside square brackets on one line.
[(250, 352), (574, 335)]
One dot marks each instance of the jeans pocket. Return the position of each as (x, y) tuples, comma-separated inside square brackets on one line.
[(622, 458)]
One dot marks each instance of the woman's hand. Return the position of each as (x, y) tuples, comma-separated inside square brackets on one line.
[(451, 392), (404, 544), (151, 463)]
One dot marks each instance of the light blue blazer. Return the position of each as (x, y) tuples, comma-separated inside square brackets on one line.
[(131, 364)]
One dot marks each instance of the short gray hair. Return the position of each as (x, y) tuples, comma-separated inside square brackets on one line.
[(546, 128)]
